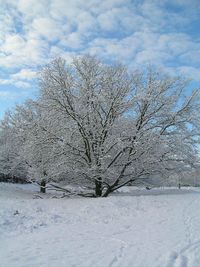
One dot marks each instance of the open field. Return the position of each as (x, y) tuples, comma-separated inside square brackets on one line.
[(134, 228)]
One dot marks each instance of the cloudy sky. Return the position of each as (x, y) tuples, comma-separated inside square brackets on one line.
[(136, 32)]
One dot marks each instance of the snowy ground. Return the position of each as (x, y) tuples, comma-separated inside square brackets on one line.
[(141, 228)]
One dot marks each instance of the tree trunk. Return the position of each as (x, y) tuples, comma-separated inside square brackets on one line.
[(43, 186), (108, 191), (98, 188)]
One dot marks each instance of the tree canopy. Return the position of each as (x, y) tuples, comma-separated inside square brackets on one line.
[(102, 127)]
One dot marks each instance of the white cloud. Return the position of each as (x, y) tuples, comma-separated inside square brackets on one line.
[(109, 21), (123, 50), (190, 72), (142, 47), (134, 32), (32, 8), (73, 40), (24, 74), (191, 56), (5, 95), (17, 51), (21, 79), (16, 83), (14, 43), (47, 28)]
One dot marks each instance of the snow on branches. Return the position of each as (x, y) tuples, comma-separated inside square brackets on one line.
[(102, 127)]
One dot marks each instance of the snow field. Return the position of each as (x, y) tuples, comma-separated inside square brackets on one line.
[(156, 228)]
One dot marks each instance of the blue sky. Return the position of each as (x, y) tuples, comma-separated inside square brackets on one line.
[(32, 32)]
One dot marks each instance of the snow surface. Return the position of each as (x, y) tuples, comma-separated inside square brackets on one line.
[(133, 228)]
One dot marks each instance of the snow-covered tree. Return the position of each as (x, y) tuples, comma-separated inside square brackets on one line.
[(11, 144), (116, 127), (103, 127), (24, 150)]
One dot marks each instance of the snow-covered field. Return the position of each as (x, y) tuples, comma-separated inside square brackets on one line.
[(135, 228)]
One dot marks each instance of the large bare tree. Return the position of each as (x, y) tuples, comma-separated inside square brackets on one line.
[(102, 127), (111, 127)]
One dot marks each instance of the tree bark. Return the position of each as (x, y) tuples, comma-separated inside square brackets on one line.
[(108, 191), (98, 188), (43, 186)]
